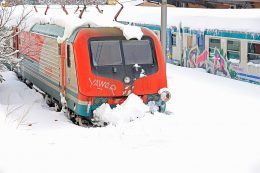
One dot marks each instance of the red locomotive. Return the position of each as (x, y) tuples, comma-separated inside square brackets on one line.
[(95, 65)]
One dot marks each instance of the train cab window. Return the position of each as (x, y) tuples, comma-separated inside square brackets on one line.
[(233, 50), (213, 44), (253, 53), (59, 49), (106, 52), (137, 52), (174, 40), (68, 56)]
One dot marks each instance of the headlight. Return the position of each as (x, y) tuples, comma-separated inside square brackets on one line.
[(127, 79), (165, 94)]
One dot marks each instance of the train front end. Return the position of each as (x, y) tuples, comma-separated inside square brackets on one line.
[(110, 67)]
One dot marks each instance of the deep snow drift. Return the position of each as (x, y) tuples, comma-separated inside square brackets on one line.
[(214, 128), (132, 108)]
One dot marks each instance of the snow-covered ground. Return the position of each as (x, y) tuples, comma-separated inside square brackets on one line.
[(214, 127)]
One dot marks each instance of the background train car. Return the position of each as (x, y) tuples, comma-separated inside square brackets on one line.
[(223, 42)]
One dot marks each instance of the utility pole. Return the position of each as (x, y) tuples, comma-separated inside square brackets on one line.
[(164, 26)]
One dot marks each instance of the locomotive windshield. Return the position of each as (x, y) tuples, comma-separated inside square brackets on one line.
[(106, 53), (113, 52), (137, 52)]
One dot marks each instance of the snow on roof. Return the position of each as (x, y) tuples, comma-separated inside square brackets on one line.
[(131, 2), (245, 20), (71, 22)]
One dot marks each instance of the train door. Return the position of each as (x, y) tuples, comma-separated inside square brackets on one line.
[(62, 50), (200, 41), (187, 45), (175, 48), (70, 76)]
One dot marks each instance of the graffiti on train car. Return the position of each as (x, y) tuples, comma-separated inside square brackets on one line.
[(32, 45), (216, 63), (196, 59)]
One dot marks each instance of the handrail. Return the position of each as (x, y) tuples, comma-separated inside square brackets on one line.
[(64, 9), (76, 9), (82, 11), (35, 9), (117, 14), (47, 8), (99, 10)]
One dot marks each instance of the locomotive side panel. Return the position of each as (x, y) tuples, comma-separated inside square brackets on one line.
[(42, 62), (71, 80)]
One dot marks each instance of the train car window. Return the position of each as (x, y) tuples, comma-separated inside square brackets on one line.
[(106, 52), (233, 49), (174, 40), (137, 52), (213, 44), (199, 42), (68, 56), (254, 53), (189, 42)]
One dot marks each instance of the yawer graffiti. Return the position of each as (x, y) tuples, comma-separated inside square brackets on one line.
[(100, 85)]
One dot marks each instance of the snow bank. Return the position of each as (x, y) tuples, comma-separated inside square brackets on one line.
[(131, 109), (257, 64), (234, 61), (214, 128)]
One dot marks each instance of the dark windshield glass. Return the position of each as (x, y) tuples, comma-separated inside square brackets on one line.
[(106, 52), (137, 52)]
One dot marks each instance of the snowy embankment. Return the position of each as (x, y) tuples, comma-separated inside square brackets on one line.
[(214, 128)]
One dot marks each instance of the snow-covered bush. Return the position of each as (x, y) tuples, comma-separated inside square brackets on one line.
[(9, 21)]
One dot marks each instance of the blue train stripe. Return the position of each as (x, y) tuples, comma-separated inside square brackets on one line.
[(249, 76)]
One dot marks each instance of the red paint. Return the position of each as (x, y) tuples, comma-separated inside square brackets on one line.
[(202, 58), (32, 45)]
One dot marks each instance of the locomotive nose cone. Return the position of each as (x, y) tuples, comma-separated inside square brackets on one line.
[(127, 80)]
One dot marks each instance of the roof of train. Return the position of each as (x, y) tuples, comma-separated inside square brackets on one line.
[(56, 16), (244, 20)]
